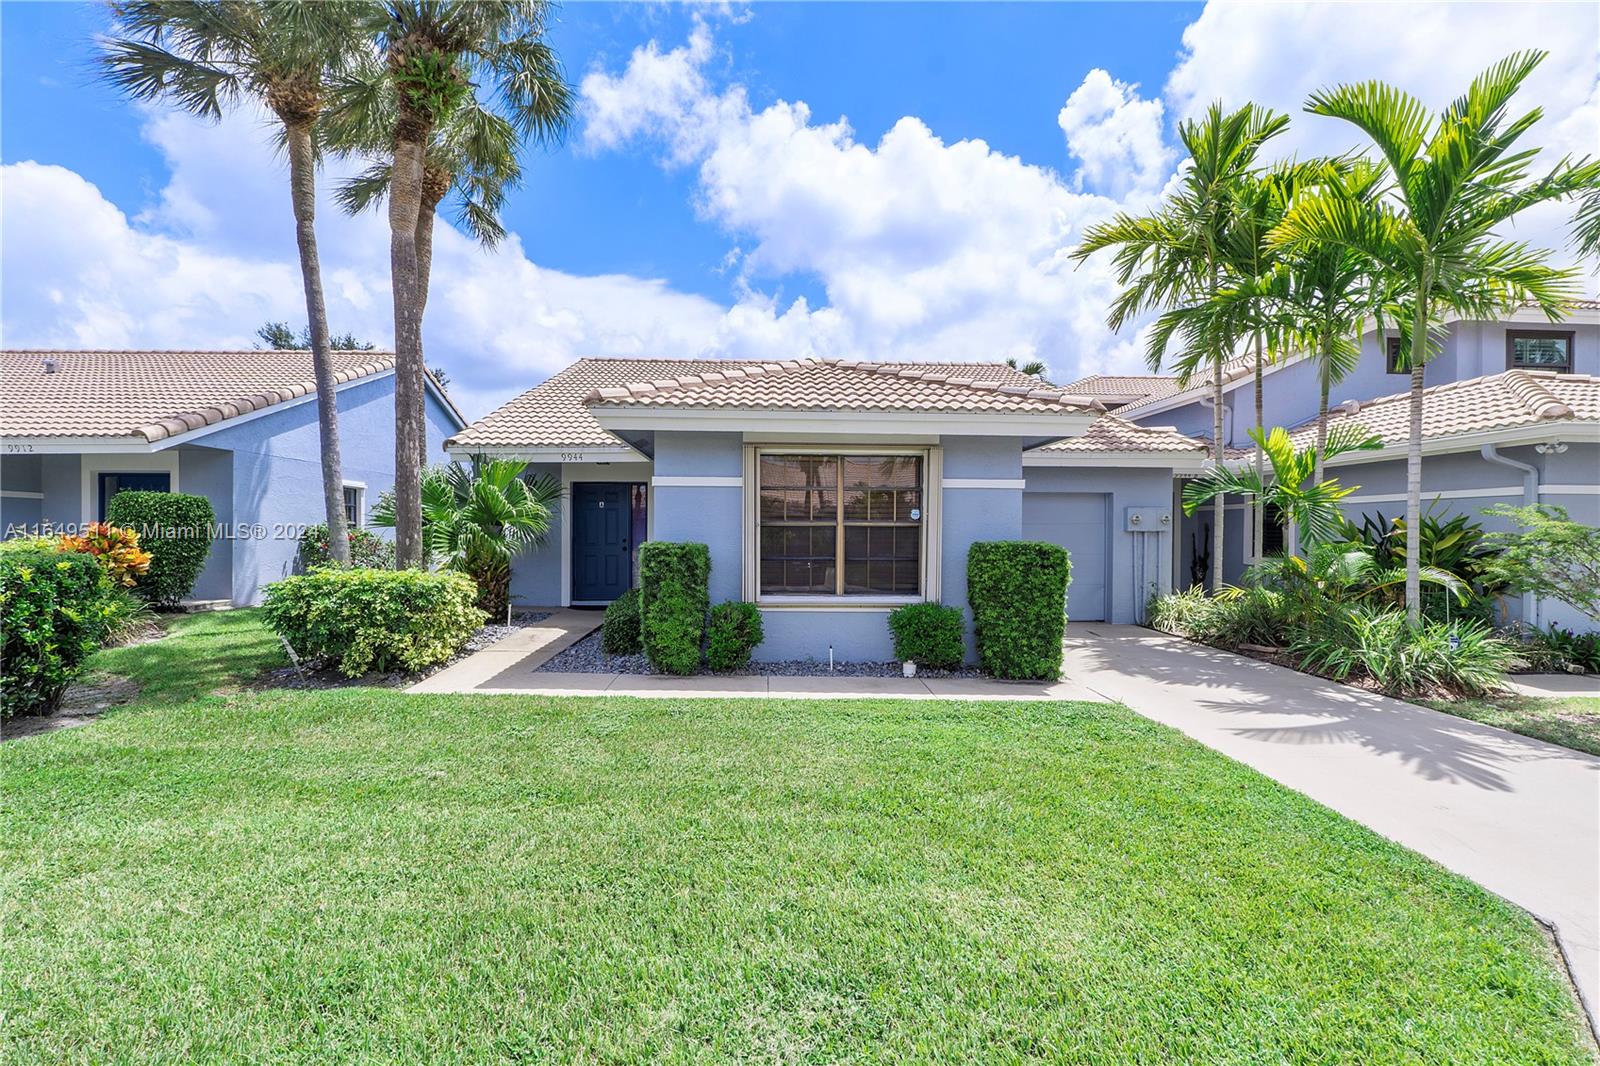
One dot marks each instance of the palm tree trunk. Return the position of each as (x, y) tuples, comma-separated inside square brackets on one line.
[(424, 240), (1419, 340), (1324, 384), (303, 195), (405, 200), (1258, 506), (1218, 452)]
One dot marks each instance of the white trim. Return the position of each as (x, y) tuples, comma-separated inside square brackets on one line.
[(354, 484), (361, 501), (20, 494), (1177, 462), (1446, 494), (1570, 490), (690, 482), (569, 453), (1053, 426), (983, 483), (91, 466)]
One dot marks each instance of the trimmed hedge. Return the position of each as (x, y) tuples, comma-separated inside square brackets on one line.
[(928, 634), (674, 597), (1018, 593), (53, 611), (619, 633), (368, 551), (374, 619), (733, 634), (175, 528)]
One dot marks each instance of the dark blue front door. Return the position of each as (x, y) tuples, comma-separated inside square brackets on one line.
[(111, 484), (601, 549)]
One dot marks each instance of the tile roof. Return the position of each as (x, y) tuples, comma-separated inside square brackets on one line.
[(1108, 433), (840, 385), (553, 414), (153, 395), (1126, 388), (1499, 401)]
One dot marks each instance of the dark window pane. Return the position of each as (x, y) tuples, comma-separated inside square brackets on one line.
[(1541, 353)]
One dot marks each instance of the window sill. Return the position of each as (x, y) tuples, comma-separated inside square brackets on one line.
[(835, 603)]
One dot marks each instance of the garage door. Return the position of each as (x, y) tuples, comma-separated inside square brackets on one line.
[(1079, 522)]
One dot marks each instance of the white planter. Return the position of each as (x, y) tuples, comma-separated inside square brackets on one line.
[(908, 668)]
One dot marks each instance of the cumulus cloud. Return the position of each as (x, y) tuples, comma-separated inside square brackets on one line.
[(1116, 135)]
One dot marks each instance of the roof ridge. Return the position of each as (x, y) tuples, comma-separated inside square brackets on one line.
[(1033, 392), (684, 381), (1535, 396)]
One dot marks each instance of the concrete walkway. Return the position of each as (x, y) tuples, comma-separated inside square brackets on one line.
[(1517, 815), (1555, 685), (511, 667)]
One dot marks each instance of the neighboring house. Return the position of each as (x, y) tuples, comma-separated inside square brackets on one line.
[(1498, 394), (830, 492), (239, 428), (1120, 390)]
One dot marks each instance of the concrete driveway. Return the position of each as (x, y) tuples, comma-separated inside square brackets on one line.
[(1518, 816)]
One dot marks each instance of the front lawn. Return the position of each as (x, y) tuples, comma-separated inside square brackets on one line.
[(1571, 721), (362, 875)]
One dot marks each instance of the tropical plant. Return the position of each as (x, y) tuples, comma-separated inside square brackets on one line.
[(368, 551), (1175, 257), (477, 518), (204, 57), (1402, 657), (436, 55), (1334, 577), (1312, 505), (1453, 181), (1033, 367), (117, 549), (1456, 545), (1548, 554)]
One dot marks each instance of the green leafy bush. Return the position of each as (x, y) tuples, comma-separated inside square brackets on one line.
[(1555, 648), (732, 635), (1018, 593), (368, 551), (1403, 658), (619, 633), (1242, 616), (674, 580), (374, 619), (53, 614), (175, 528), (928, 634)]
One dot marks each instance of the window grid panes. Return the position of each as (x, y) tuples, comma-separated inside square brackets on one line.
[(840, 524), (1534, 350), (352, 506)]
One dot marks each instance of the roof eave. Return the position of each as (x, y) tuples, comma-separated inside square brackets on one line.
[(1571, 430), (788, 420)]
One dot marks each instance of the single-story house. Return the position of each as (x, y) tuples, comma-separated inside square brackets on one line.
[(238, 427), (831, 491)]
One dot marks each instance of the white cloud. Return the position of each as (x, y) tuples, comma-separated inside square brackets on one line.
[(1116, 136)]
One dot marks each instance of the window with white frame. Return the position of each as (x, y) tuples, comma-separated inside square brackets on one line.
[(840, 524), (354, 505)]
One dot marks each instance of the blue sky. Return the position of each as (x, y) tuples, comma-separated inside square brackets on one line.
[(708, 201)]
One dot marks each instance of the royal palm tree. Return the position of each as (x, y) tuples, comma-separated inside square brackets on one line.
[(437, 54), (1175, 258), (204, 57), (1453, 181)]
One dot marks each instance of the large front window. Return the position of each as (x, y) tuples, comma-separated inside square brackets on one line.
[(811, 543)]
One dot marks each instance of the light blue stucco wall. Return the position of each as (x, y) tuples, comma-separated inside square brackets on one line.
[(973, 515), (536, 574), (1127, 488), (20, 515), (708, 514), (208, 472)]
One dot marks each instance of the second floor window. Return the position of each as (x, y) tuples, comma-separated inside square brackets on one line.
[(1539, 349), (1392, 361)]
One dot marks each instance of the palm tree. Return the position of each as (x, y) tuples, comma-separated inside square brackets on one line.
[(1454, 180), (1033, 367), (1174, 258), (477, 519), (204, 57), (437, 54)]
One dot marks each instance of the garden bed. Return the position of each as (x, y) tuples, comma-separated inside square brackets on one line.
[(588, 657)]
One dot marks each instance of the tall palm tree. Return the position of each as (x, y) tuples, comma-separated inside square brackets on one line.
[(1454, 180), (437, 54), (204, 56), (1175, 258)]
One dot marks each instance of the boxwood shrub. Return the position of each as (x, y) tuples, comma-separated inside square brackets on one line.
[(733, 634), (928, 634), (1018, 593), (53, 612), (674, 596), (175, 528), (619, 633), (362, 620)]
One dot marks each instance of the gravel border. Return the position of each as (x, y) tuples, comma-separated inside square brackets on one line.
[(588, 657)]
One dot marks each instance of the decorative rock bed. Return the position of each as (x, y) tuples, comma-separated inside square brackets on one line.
[(588, 657)]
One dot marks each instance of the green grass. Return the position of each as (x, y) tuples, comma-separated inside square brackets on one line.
[(202, 654), (1571, 721), (362, 875)]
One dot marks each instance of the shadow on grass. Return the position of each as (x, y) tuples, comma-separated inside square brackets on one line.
[(201, 654)]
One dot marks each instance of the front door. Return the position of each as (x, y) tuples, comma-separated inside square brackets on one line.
[(601, 548)]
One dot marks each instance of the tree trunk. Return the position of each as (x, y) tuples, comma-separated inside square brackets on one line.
[(1258, 506), (1419, 343), (424, 241), (1218, 451), (1325, 384), (303, 195), (405, 200)]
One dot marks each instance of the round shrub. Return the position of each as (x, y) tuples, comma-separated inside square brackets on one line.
[(674, 596), (1018, 593), (175, 528), (619, 633), (928, 634), (53, 612), (381, 620), (368, 551), (733, 634)]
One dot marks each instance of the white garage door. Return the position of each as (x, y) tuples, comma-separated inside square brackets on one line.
[(1079, 522)]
